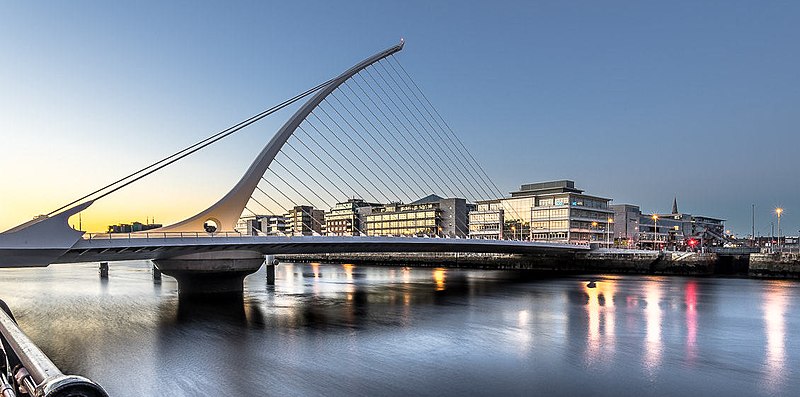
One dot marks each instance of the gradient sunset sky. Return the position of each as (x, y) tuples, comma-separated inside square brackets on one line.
[(637, 101)]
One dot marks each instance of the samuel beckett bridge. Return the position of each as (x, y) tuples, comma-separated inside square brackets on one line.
[(369, 133)]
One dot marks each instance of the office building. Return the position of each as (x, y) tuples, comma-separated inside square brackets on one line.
[(262, 225), (553, 211), (429, 216), (348, 218), (672, 231), (305, 220)]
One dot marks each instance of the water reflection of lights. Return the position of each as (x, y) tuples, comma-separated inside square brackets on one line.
[(653, 318), (600, 311), (524, 334), (774, 307), (315, 269), (690, 296), (348, 271), (406, 275), (439, 278)]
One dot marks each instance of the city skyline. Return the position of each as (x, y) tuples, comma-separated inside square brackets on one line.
[(674, 112)]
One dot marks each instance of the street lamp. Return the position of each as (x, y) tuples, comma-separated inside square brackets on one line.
[(608, 231), (655, 230), (778, 212), (594, 227), (513, 232)]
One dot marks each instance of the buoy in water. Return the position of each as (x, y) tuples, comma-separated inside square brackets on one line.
[(592, 284)]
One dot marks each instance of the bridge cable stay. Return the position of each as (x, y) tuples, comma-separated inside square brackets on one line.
[(428, 106), (355, 128), (433, 153), (463, 174), (469, 170), (333, 172), (345, 169), (418, 178), (372, 158), (302, 196), (302, 183), (346, 158), (455, 188), (349, 148), (466, 176), (286, 211), (334, 116), (408, 157), (413, 143), (448, 131), (418, 190), (192, 148), (367, 132)]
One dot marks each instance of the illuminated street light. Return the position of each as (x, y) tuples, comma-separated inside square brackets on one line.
[(608, 231), (655, 230), (778, 212)]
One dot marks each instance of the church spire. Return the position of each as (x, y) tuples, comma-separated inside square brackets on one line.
[(675, 205)]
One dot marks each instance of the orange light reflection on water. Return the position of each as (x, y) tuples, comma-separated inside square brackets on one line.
[(601, 321), (439, 275)]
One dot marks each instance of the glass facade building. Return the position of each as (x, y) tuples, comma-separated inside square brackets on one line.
[(348, 218), (429, 216), (548, 211)]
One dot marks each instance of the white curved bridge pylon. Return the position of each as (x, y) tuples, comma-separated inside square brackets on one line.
[(226, 212)]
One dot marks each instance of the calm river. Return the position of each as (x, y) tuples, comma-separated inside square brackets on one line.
[(341, 330)]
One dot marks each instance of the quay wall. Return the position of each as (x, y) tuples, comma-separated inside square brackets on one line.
[(785, 265), (600, 261)]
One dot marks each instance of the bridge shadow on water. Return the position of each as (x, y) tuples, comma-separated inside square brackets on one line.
[(358, 298)]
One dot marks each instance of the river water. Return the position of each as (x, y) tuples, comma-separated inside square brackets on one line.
[(342, 330)]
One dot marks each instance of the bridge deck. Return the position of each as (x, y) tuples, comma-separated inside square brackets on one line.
[(113, 249)]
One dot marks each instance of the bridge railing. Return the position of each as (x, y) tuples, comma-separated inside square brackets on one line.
[(146, 235)]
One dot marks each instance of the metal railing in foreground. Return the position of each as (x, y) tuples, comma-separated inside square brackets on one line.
[(26, 371)]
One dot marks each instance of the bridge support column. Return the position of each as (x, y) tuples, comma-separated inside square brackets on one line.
[(103, 269), (270, 264), (211, 273), (156, 274)]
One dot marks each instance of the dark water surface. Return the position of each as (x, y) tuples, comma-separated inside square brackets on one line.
[(345, 330)]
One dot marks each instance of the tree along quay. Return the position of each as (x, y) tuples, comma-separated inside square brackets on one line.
[(601, 261)]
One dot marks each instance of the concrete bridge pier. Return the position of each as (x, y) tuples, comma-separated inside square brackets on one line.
[(211, 273), (271, 263), (156, 274), (103, 269)]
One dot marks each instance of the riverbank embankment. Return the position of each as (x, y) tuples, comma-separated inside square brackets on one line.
[(595, 261)]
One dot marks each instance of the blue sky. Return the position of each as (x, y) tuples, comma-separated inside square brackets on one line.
[(638, 101)]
